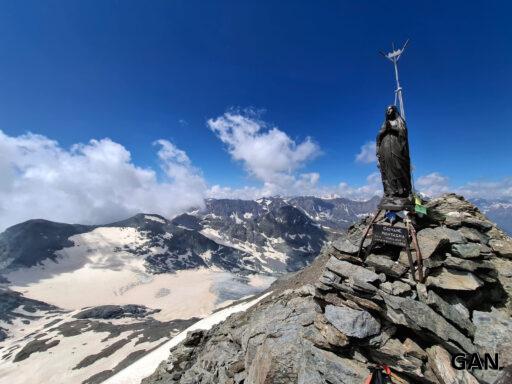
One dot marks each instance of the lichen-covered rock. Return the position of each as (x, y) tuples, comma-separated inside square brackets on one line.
[(502, 247), (472, 234), (466, 251)]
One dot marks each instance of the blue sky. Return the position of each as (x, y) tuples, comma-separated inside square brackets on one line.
[(136, 72)]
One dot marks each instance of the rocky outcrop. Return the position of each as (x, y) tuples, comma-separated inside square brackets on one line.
[(115, 312), (361, 313)]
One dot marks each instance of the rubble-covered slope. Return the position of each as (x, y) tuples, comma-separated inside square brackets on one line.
[(358, 313)]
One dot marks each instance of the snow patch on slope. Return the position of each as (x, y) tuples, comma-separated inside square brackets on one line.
[(154, 218), (145, 366)]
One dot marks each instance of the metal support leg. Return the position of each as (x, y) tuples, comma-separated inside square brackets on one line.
[(370, 248), (411, 262), (366, 232), (419, 257)]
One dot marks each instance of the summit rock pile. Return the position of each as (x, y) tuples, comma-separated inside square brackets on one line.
[(334, 325)]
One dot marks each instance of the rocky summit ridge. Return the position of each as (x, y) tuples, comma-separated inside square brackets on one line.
[(335, 320)]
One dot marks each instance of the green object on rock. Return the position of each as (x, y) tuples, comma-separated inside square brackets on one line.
[(420, 209)]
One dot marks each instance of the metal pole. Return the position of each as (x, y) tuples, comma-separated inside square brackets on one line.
[(393, 56), (399, 89)]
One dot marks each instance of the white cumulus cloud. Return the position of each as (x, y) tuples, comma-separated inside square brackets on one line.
[(433, 184), (372, 187), (266, 152), (95, 182), (367, 153)]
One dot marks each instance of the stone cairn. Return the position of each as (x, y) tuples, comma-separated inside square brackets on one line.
[(463, 306), (364, 313)]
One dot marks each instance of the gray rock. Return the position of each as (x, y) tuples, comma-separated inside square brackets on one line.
[(474, 235), (434, 261), (320, 367), (354, 259), (115, 312), (267, 341), (346, 246), (361, 286), (505, 377), (422, 292), (413, 349), (385, 264), (493, 335), (466, 251), (346, 269), (329, 278), (503, 268), (382, 337), (453, 279), (484, 225), (440, 362), (431, 240), (453, 221), (420, 317), (502, 247), (449, 205), (323, 287), (351, 322), (454, 237), (485, 250), (396, 288), (324, 335), (393, 354), (455, 311), (467, 265)]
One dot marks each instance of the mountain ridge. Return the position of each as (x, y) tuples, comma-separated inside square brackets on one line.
[(356, 314)]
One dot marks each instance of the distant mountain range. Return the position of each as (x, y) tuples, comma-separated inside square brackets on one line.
[(499, 211), (271, 235), (145, 277)]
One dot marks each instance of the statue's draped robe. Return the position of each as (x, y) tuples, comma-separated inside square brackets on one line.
[(393, 156)]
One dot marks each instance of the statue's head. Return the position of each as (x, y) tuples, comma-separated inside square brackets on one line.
[(392, 112)]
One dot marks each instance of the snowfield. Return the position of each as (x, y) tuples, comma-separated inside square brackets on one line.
[(101, 268), (97, 271)]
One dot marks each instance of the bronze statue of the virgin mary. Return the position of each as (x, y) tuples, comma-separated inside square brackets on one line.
[(394, 163)]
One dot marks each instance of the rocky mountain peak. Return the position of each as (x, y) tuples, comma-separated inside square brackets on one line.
[(344, 315)]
